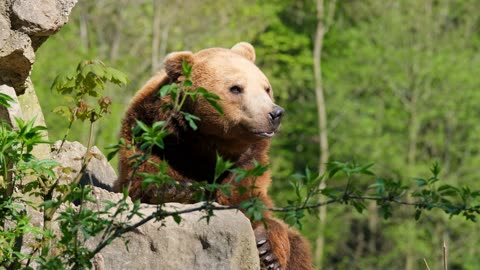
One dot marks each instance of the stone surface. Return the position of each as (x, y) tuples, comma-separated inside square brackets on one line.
[(16, 60), (31, 110), (4, 31), (24, 26), (40, 18), (227, 242), (99, 171), (9, 114)]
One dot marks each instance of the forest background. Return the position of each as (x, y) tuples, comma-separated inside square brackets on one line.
[(400, 81)]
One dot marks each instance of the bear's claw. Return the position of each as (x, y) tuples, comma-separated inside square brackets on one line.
[(268, 260)]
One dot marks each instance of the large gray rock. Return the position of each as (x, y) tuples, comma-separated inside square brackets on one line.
[(226, 243), (24, 26), (99, 172)]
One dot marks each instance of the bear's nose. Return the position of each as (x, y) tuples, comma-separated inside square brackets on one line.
[(276, 115)]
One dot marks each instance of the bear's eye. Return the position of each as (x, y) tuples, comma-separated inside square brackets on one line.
[(236, 89), (268, 89)]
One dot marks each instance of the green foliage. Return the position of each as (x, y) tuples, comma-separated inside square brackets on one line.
[(254, 208), (16, 163), (22, 173), (87, 80), (147, 137), (222, 166), (16, 147), (386, 193), (159, 179), (257, 170)]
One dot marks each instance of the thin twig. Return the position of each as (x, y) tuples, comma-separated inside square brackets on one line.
[(445, 267), (49, 212), (208, 206), (426, 264)]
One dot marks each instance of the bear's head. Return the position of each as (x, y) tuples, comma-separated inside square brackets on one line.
[(245, 93)]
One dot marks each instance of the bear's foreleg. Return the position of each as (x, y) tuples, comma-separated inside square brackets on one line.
[(280, 247), (300, 257), (272, 243)]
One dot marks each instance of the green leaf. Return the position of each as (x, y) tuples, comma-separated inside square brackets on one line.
[(186, 68), (114, 149), (158, 125), (165, 90), (187, 83), (62, 81), (436, 169), (448, 190), (245, 204), (215, 105), (191, 120), (333, 168), (365, 169), (211, 98), (418, 213), (475, 194), (332, 193), (257, 215), (359, 206), (98, 70), (5, 100), (379, 186), (86, 70), (221, 166), (142, 126), (385, 210), (421, 182), (117, 76), (177, 218), (63, 111)]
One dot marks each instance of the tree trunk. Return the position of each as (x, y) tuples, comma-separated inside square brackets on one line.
[(156, 36), (83, 28), (322, 29)]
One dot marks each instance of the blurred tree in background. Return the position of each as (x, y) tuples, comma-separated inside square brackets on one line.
[(400, 80)]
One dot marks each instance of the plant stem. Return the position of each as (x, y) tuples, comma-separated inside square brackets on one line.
[(445, 266), (426, 264), (68, 130)]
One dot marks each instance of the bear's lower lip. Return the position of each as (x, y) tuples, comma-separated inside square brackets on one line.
[(266, 134)]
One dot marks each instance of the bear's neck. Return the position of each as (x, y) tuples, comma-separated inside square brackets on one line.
[(194, 155)]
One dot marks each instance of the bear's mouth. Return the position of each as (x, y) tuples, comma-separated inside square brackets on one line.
[(261, 133)]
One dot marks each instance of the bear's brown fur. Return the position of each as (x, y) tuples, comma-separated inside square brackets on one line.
[(241, 135)]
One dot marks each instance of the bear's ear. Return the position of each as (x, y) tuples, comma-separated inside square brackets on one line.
[(245, 49), (173, 63)]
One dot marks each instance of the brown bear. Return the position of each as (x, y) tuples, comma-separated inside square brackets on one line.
[(241, 135)]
